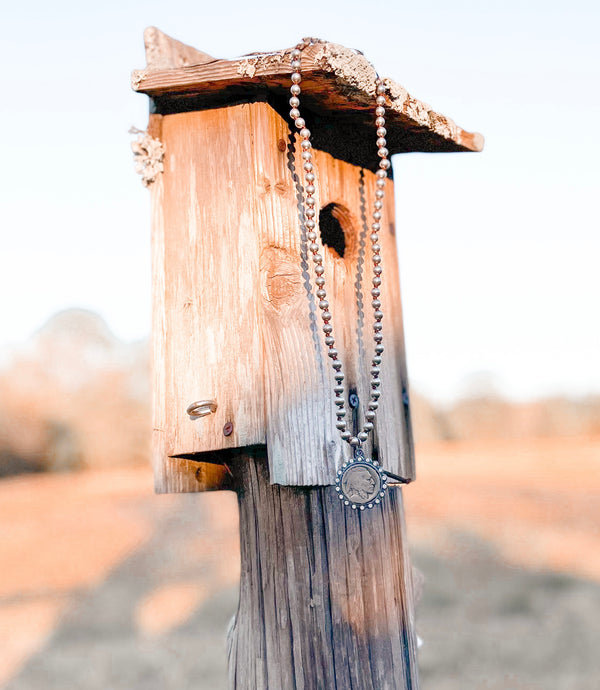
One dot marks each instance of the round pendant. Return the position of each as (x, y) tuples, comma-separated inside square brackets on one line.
[(361, 483)]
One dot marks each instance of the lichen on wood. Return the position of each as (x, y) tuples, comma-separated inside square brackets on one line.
[(337, 81), (148, 156), (348, 65)]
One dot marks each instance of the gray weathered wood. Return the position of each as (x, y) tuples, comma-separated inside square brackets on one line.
[(164, 52), (325, 595)]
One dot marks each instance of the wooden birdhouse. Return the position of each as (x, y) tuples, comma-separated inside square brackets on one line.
[(239, 358), (244, 394)]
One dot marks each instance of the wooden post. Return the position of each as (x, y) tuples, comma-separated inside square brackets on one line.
[(325, 596)]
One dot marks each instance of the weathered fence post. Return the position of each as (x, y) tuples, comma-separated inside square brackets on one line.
[(326, 593), (244, 397)]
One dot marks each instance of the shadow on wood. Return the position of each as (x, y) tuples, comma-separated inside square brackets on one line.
[(325, 594)]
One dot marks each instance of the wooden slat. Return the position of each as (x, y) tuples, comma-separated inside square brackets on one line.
[(211, 340), (347, 185), (162, 476), (164, 52), (300, 432), (335, 80)]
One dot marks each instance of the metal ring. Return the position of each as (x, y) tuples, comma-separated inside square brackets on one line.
[(201, 408)]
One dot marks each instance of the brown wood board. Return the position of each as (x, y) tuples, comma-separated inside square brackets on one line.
[(336, 81)]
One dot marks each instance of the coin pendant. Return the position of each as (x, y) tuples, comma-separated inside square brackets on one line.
[(361, 483)]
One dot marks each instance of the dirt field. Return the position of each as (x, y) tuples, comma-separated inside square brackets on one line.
[(105, 586)]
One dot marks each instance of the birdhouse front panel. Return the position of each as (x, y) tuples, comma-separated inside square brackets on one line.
[(235, 315)]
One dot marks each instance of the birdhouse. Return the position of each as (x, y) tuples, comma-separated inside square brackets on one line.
[(239, 357)]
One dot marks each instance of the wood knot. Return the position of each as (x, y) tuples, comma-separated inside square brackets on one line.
[(283, 278), (265, 186)]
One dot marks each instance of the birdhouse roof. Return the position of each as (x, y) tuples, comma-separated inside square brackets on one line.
[(337, 100)]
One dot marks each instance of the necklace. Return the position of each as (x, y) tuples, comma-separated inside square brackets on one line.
[(361, 482)]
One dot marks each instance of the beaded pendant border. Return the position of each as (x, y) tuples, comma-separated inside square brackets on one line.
[(361, 482)]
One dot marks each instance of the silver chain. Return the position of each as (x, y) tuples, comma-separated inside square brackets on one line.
[(311, 225)]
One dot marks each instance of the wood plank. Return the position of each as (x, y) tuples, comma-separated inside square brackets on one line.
[(164, 52), (336, 80), (211, 340), (353, 189), (303, 444), (162, 477)]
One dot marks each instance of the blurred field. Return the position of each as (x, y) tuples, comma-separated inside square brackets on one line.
[(537, 500), (104, 585)]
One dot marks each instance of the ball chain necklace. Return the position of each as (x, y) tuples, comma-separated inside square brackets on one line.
[(361, 482)]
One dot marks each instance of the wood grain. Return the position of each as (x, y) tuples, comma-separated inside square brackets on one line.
[(164, 52), (336, 81), (207, 324), (325, 594), (234, 307)]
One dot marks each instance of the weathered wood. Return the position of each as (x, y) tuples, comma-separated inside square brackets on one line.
[(177, 475), (336, 80), (164, 52), (162, 476), (234, 306), (202, 349), (325, 594)]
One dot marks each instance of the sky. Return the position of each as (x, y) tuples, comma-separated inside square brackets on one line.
[(499, 251)]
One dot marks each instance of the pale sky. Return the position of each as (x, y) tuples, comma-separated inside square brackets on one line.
[(499, 251)]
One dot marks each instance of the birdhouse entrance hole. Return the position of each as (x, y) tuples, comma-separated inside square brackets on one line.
[(335, 226)]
